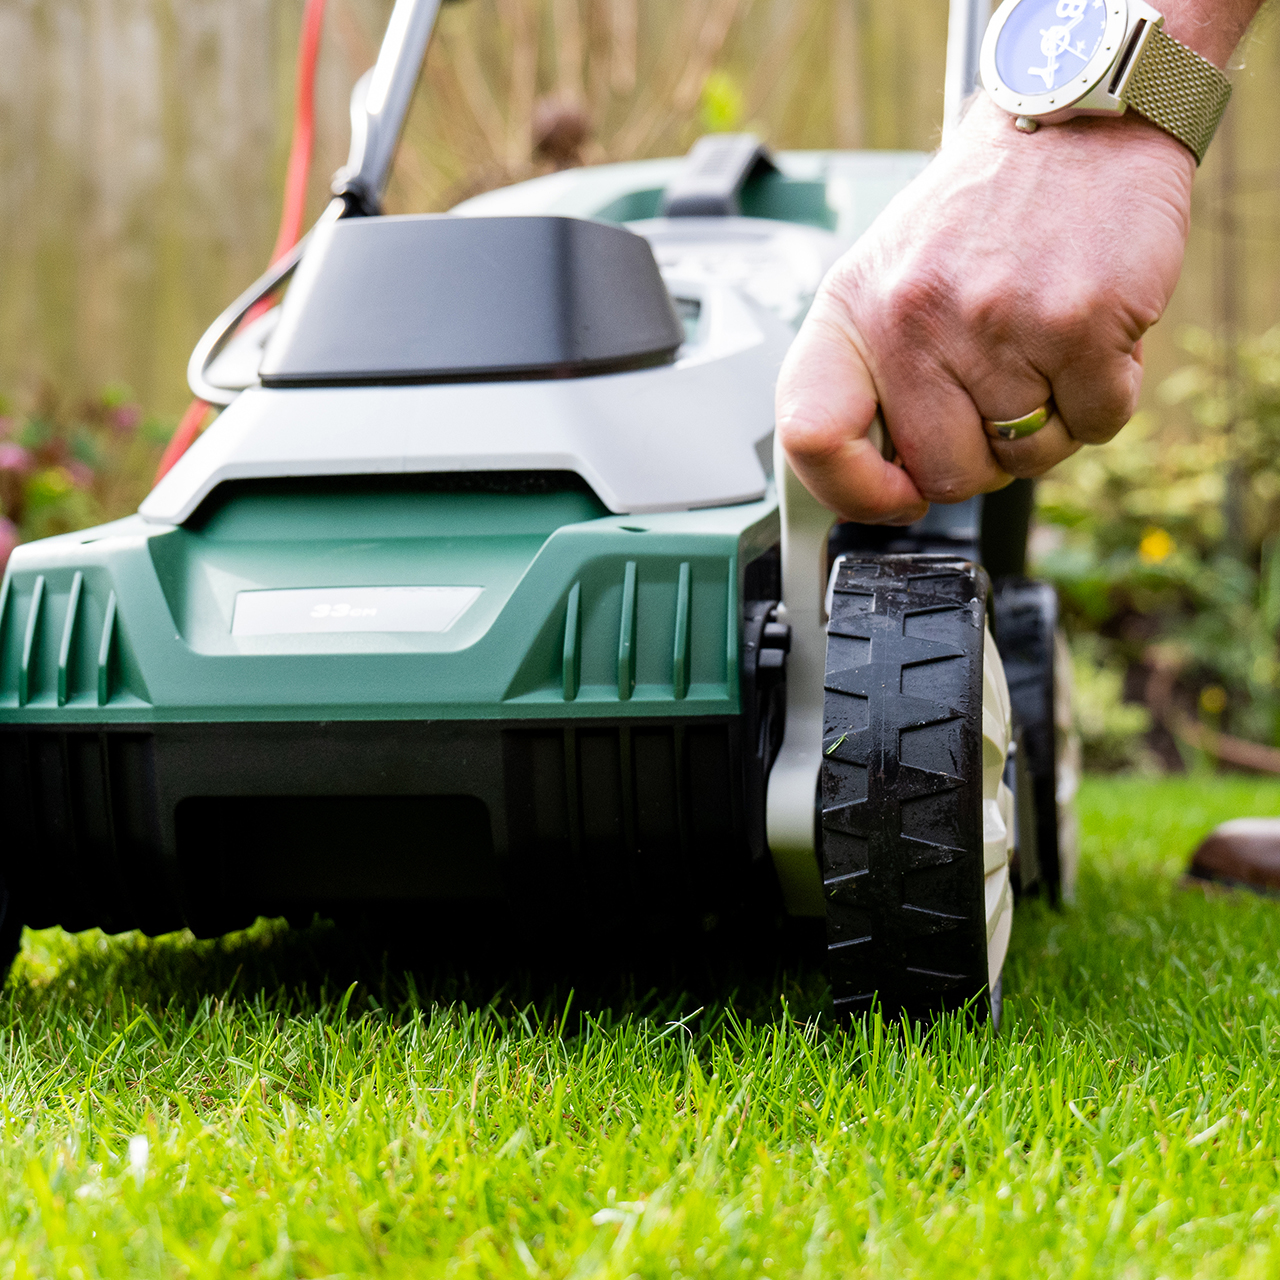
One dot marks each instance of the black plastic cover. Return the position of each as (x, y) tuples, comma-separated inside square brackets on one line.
[(432, 298), (207, 826)]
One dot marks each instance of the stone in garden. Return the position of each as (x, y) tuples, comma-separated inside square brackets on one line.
[(1244, 852)]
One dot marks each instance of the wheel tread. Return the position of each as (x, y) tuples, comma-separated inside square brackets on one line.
[(906, 916)]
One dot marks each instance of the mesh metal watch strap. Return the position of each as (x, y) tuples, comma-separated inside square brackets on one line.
[(1177, 89)]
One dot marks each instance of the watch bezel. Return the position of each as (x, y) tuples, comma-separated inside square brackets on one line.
[(1049, 103)]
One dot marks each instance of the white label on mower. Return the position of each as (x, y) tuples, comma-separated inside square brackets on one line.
[(315, 610)]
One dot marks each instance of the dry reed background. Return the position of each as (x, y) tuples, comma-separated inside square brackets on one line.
[(142, 142)]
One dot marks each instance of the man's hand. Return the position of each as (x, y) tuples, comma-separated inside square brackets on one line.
[(1015, 268)]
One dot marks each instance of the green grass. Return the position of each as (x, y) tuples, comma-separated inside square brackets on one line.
[(180, 1108)]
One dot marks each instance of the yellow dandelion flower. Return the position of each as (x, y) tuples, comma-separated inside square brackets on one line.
[(1213, 699), (1156, 545)]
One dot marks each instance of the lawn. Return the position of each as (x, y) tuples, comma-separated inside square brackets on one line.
[(180, 1108)]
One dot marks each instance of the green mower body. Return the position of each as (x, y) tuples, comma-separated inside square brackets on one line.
[(493, 632), (164, 772)]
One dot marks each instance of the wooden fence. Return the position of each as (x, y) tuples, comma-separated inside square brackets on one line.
[(142, 142)]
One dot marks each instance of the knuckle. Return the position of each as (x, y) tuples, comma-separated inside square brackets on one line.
[(1069, 316), (1098, 429), (1111, 405), (1138, 315), (807, 436), (1094, 311), (994, 306), (1024, 466), (917, 298), (945, 489)]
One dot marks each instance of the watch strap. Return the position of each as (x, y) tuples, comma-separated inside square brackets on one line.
[(1178, 90)]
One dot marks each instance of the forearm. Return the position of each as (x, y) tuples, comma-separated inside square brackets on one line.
[(1212, 28)]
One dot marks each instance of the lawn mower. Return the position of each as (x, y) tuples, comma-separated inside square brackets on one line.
[(490, 591)]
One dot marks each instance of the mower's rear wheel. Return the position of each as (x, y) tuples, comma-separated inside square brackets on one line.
[(916, 819), (1038, 668)]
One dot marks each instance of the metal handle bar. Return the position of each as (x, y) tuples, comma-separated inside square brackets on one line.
[(379, 104), (966, 25)]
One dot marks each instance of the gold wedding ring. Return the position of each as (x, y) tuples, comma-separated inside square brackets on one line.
[(1019, 428)]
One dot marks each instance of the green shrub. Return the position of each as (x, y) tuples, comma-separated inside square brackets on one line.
[(1112, 731), (63, 467), (1170, 536)]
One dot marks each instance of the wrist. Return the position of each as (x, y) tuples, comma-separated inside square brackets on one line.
[(1213, 28), (1051, 61), (1126, 139)]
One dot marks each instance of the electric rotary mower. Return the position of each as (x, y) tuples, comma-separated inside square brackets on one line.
[(490, 589)]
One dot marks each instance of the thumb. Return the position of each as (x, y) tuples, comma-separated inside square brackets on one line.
[(826, 403)]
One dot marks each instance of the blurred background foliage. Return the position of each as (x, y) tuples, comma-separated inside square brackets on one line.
[(1165, 546), (143, 143), (64, 466), (143, 147)]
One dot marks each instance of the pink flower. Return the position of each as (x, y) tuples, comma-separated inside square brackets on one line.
[(8, 540), (125, 419), (81, 474), (13, 457)]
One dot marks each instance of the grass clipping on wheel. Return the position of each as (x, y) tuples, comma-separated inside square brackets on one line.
[(164, 1115)]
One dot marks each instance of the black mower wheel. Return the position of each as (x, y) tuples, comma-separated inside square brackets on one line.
[(1026, 625), (902, 788)]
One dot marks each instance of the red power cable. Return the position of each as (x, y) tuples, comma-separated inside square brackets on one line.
[(291, 216)]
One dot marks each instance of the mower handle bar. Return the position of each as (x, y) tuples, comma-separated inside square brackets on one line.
[(966, 25), (379, 104)]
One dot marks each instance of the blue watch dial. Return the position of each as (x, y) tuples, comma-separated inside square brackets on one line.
[(1046, 43)]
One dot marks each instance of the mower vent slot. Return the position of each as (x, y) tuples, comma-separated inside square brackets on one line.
[(105, 652), (68, 635), (505, 483), (680, 649), (29, 638), (59, 642), (627, 635), (572, 659)]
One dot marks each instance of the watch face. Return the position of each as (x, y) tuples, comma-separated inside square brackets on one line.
[(1044, 44)]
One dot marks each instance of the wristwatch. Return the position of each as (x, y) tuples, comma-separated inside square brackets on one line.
[(1045, 61)]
